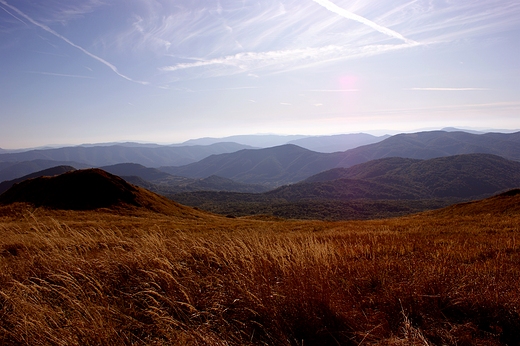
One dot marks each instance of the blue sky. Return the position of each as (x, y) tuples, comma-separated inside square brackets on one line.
[(90, 71)]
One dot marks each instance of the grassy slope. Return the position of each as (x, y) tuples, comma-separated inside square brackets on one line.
[(448, 277)]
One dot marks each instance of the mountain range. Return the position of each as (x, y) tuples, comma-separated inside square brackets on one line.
[(146, 154), (379, 188), (245, 169), (270, 166), (331, 144), (322, 144), (289, 163), (15, 163)]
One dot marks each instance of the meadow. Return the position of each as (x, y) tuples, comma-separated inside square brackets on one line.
[(140, 278)]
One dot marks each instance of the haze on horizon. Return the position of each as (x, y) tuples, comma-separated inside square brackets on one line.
[(90, 71)]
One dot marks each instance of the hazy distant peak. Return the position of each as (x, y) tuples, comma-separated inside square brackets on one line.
[(261, 141), (335, 143), (454, 129)]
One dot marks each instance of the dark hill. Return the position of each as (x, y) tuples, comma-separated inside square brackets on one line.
[(88, 189), (367, 170), (271, 166), (459, 176), (5, 185)]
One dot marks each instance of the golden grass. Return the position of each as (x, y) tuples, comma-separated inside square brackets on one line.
[(94, 278)]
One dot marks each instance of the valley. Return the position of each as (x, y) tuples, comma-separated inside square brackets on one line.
[(391, 251), (390, 176)]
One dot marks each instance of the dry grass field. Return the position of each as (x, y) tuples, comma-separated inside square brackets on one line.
[(133, 277)]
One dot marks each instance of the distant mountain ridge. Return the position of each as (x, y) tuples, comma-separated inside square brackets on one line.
[(15, 170), (147, 155), (323, 144), (271, 167), (331, 144), (289, 164), (258, 141), (427, 145)]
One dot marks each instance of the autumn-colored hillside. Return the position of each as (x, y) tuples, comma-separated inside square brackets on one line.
[(106, 278)]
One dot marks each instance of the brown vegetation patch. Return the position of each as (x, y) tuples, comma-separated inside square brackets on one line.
[(506, 203), (81, 278)]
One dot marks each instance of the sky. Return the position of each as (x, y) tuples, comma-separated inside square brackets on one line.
[(165, 71)]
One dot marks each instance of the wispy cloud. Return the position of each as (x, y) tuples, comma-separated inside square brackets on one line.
[(70, 10), (436, 22), (60, 11), (49, 30), (449, 89), (190, 40), (211, 39), (349, 15), (12, 15), (271, 39), (283, 60)]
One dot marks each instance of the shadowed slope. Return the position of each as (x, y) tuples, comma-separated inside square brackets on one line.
[(271, 166), (88, 190), (459, 176)]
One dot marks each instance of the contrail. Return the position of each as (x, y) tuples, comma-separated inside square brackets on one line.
[(49, 30), (349, 15), (12, 15)]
